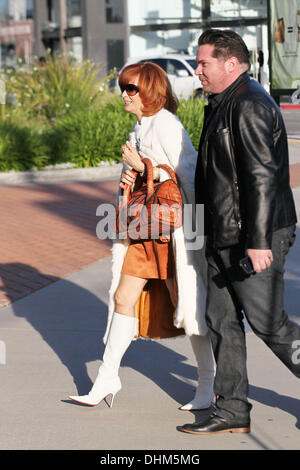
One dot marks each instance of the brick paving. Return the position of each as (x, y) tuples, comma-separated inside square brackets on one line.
[(49, 232), (295, 175)]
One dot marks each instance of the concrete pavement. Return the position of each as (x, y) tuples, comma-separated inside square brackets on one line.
[(53, 341), (52, 336)]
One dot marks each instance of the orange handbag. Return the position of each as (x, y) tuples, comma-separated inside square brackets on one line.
[(152, 210)]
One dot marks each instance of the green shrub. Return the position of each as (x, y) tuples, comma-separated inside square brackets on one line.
[(21, 147), (57, 88), (87, 137), (191, 114), (83, 137)]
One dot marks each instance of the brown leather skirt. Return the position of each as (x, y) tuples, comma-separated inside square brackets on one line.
[(149, 259), (153, 260)]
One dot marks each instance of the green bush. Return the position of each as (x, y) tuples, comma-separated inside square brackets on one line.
[(191, 114), (62, 112), (54, 89), (84, 137), (87, 137), (21, 147)]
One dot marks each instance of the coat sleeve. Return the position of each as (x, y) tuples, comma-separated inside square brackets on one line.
[(253, 126), (179, 151)]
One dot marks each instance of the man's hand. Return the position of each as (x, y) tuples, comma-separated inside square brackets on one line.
[(261, 259)]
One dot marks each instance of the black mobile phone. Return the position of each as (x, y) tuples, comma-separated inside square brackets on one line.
[(246, 265)]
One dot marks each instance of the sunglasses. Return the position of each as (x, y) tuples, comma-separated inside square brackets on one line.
[(131, 89)]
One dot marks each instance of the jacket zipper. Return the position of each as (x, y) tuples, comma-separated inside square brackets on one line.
[(235, 180)]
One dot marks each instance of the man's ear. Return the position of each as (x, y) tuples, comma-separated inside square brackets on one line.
[(232, 64)]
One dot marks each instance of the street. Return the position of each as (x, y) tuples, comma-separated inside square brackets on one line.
[(292, 122)]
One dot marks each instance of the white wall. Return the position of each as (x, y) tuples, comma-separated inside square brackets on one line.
[(17, 9), (142, 12), (159, 42), (234, 9)]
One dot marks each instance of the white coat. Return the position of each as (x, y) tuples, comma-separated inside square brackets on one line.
[(163, 139)]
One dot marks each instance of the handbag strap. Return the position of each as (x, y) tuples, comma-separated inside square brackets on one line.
[(150, 183), (149, 167), (169, 170)]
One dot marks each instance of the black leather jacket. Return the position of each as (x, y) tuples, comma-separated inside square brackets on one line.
[(242, 174)]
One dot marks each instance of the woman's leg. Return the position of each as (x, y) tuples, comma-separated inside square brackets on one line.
[(204, 356), (121, 333), (204, 394), (128, 293)]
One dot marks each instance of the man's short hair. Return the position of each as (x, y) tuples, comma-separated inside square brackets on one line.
[(227, 44)]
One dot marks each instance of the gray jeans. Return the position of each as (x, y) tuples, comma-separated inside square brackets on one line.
[(231, 294)]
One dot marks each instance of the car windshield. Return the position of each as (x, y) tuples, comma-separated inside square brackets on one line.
[(192, 63)]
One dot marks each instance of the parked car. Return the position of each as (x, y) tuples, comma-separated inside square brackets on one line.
[(180, 69)]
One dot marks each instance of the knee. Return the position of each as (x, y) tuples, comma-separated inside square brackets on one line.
[(122, 298)]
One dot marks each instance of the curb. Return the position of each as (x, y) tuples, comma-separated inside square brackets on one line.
[(290, 106), (68, 175), (61, 176)]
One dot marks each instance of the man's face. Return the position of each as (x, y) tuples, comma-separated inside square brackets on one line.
[(212, 72)]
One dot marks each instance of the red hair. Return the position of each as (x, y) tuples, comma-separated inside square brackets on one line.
[(155, 89)]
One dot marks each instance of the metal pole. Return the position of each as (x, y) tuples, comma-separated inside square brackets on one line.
[(62, 25), (270, 46), (206, 13)]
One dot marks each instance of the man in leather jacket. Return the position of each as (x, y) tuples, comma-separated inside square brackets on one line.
[(242, 178)]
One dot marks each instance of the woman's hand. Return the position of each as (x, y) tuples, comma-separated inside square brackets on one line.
[(131, 157), (127, 178)]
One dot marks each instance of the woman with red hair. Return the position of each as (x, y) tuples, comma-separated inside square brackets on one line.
[(157, 288)]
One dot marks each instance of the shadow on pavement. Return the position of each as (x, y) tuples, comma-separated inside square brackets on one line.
[(72, 321), (76, 203), (292, 282), (276, 400)]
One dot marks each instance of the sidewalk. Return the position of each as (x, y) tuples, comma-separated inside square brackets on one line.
[(50, 232), (50, 229), (55, 276)]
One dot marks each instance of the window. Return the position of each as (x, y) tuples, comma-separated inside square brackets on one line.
[(73, 13), (29, 9), (175, 66), (161, 62), (115, 54), (53, 11), (192, 63), (15, 10), (114, 11)]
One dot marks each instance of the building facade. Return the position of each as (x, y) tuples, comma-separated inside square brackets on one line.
[(110, 31), (16, 31), (93, 29), (174, 26)]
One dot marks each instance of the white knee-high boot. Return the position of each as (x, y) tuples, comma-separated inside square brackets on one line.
[(121, 333), (204, 395)]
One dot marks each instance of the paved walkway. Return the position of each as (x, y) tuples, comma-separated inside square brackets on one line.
[(55, 277), (49, 233), (50, 230)]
